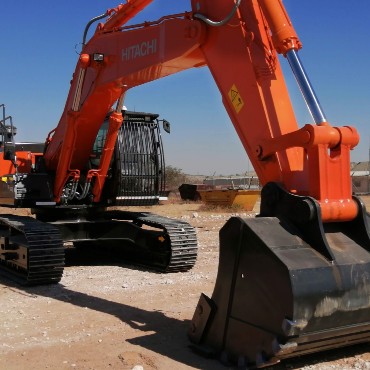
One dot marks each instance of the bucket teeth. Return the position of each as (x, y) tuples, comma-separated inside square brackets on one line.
[(283, 349), (291, 328), (263, 361)]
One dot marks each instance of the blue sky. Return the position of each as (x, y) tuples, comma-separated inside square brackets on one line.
[(38, 58)]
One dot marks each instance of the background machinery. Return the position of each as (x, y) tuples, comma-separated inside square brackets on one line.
[(294, 280)]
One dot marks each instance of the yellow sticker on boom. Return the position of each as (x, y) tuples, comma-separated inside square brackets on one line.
[(236, 99)]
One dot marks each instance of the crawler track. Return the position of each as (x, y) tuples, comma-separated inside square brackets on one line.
[(32, 251), (178, 249), (183, 241)]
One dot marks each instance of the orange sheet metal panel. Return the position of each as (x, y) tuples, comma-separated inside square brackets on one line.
[(25, 163)]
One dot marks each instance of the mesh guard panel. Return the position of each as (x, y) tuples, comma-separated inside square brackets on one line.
[(138, 167)]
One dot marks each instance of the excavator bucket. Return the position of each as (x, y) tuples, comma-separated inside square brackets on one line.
[(286, 286)]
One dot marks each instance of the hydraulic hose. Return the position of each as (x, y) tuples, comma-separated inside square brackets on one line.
[(212, 23), (97, 18)]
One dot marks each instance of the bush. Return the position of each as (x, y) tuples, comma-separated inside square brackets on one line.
[(174, 178)]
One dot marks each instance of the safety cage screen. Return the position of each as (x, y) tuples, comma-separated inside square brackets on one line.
[(138, 167)]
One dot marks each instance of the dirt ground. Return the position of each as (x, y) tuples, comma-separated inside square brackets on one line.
[(109, 316)]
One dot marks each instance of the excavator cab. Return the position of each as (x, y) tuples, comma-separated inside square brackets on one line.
[(137, 171)]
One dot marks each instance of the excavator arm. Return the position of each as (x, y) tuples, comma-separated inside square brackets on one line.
[(295, 279)]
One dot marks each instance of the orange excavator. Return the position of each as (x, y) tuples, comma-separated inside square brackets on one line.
[(293, 280)]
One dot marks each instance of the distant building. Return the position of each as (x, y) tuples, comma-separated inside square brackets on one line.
[(234, 182), (360, 173)]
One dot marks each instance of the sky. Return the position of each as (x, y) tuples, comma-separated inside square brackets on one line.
[(38, 57)]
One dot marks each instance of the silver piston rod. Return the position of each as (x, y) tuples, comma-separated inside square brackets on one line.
[(307, 90)]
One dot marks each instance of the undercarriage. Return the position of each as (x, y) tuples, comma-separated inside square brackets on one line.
[(33, 250)]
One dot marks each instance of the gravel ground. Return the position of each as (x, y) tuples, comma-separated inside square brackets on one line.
[(114, 316)]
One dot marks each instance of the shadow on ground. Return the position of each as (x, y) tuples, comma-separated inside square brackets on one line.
[(166, 336)]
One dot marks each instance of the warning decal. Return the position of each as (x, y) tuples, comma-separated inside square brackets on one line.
[(236, 99)]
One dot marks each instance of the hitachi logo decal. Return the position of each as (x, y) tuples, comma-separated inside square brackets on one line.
[(139, 50)]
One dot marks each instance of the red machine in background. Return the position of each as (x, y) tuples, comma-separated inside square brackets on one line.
[(294, 280)]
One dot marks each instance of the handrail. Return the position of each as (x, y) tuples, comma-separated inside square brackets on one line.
[(3, 106)]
